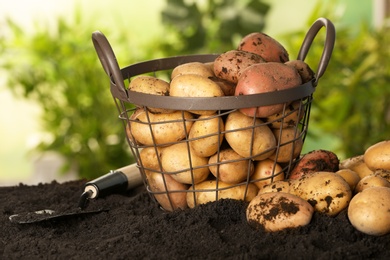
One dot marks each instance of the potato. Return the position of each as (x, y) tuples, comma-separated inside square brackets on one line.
[(306, 73), (240, 139), (383, 173), (184, 168), (197, 68), (371, 181), (229, 65), (291, 143), (377, 156), (369, 211), (351, 177), (206, 191), (276, 211), (228, 88), (266, 77), (192, 85), (164, 128), (170, 198), (150, 158), (327, 192), (151, 85), (206, 135), (265, 46), (232, 167), (315, 161), (357, 165), (289, 118), (266, 172), (278, 186)]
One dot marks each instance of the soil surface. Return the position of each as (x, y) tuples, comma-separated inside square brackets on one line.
[(134, 227)]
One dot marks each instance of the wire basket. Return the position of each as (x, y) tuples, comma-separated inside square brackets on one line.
[(181, 169)]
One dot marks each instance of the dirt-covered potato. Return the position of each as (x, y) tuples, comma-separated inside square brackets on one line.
[(151, 85), (266, 171), (229, 65), (233, 168), (197, 68), (276, 211), (315, 161), (377, 156), (206, 191), (206, 135), (278, 186), (265, 46), (148, 128), (307, 74), (227, 87), (327, 192), (289, 117), (192, 85), (176, 161), (291, 143), (369, 211), (166, 191), (240, 138), (266, 77)]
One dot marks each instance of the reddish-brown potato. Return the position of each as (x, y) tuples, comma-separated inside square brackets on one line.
[(229, 65), (307, 74), (266, 77), (265, 46), (315, 161)]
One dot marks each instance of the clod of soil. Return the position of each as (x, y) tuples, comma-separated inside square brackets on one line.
[(136, 228)]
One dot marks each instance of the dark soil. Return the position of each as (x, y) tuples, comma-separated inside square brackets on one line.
[(134, 227)]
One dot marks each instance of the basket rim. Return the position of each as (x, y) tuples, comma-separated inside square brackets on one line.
[(200, 103)]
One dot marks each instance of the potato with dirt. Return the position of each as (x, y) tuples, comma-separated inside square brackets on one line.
[(229, 65), (266, 77), (276, 211), (264, 45), (266, 171), (315, 161)]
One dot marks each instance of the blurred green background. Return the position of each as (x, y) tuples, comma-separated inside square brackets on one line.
[(54, 94)]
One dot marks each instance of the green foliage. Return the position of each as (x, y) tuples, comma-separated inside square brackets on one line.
[(60, 70), (210, 26), (352, 99)]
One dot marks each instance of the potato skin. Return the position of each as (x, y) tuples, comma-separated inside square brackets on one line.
[(236, 171), (151, 85), (197, 68), (229, 65), (156, 184), (292, 115), (266, 77), (227, 191), (168, 128), (266, 171), (276, 211), (327, 192), (175, 161), (192, 85), (371, 181), (315, 161), (239, 139), (357, 165), (369, 211), (377, 156), (291, 144), (304, 70), (209, 130), (265, 46)]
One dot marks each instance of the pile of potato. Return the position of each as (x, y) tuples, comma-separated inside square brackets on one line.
[(196, 156), (320, 183)]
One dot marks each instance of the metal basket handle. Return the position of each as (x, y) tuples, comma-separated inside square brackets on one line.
[(328, 46), (109, 62)]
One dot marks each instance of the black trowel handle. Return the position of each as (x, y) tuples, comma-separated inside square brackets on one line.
[(116, 181)]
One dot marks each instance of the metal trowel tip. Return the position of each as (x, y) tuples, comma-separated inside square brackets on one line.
[(83, 202)]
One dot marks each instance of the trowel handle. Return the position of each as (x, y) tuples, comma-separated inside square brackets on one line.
[(116, 181)]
